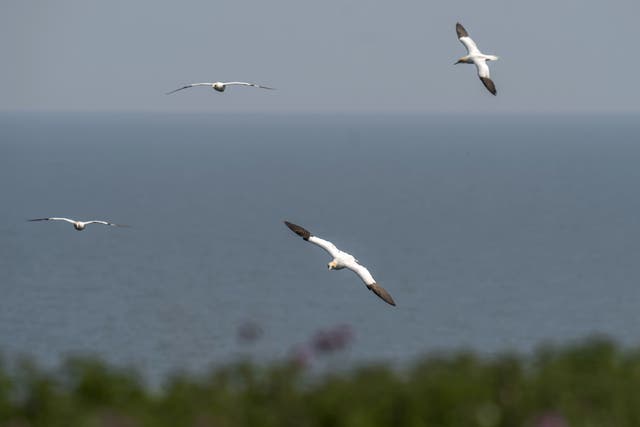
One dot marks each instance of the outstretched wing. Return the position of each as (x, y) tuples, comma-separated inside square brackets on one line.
[(54, 219), (248, 84), (368, 280), (483, 67), (105, 223), (188, 86), (325, 244), (306, 235), (467, 41), (483, 73)]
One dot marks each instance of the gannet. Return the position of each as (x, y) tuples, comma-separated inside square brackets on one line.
[(79, 225), (343, 260), (474, 56), (220, 86)]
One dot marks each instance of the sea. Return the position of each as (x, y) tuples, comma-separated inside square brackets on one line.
[(492, 233)]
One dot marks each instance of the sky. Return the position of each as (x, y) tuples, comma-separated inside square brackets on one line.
[(568, 56)]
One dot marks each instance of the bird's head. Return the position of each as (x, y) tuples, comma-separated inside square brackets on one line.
[(332, 265), (463, 59), (219, 86)]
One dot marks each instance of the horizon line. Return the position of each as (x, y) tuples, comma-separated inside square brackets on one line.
[(323, 112)]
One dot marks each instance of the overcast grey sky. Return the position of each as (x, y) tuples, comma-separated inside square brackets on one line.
[(329, 55)]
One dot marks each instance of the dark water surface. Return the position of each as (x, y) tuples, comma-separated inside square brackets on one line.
[(491, 233)]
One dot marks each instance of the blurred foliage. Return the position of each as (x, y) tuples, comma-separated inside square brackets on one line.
[(594, 383)]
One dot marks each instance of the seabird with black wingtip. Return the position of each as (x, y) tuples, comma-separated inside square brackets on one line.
[(220, 86), (78, 225), (474, 56), (343, 260)]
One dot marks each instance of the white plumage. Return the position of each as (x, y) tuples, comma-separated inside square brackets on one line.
[(343, 260), (220, 86), (78, 225), (474, 56)]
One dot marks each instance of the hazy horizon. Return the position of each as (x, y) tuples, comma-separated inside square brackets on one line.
[(368, 57)]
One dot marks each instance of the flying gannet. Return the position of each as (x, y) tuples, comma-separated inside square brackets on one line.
[(220, 86), (343, 260), (79, 225), (474, 56)]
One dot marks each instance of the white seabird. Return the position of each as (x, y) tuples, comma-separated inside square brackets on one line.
[(343, 260), (79, 225), (220, 86), (474, 56)]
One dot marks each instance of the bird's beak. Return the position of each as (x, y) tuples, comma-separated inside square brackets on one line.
[(457, 62)]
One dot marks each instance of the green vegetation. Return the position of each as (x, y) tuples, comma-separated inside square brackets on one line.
[(591, 384)]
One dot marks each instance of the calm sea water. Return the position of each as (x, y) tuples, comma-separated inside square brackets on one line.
[(491, 233)]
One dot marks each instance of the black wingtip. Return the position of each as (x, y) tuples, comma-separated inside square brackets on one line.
[(382, 293), (176, 90), (38, 219), (488, 83), (300, 231), (461, 31)]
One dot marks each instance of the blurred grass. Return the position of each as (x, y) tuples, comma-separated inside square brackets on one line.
[(593, 383)]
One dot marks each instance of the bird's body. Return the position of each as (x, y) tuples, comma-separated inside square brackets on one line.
[(342, 260), (220, 86), (474, 56), (78, 225)]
